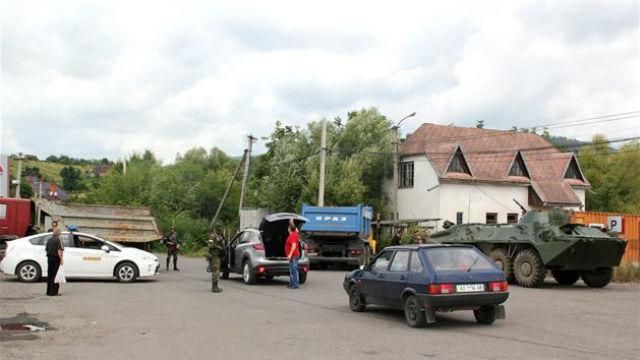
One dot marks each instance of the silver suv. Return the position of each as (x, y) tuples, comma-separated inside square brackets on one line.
[(259, 253)]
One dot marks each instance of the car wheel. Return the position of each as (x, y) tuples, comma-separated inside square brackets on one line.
[(29, 271), (356, 301), (247, 275), (503, 261), (302, 277), (413, 313), (126, 272), (598, 278), (528, 269), (565, 277), (485, 315)]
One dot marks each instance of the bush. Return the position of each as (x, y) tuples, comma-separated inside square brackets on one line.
[(627, 272)]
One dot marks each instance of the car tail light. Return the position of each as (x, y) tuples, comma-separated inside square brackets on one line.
[(498, 286), (436, 289), (356, 252), (258, 246), (305, 268), (261, 269)]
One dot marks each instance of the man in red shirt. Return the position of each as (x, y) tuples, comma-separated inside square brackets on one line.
[(292, 250)]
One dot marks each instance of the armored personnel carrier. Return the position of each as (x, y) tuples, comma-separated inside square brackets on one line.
[(525, 251)]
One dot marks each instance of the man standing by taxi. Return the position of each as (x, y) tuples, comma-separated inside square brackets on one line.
[(292, 250), (173, 244)]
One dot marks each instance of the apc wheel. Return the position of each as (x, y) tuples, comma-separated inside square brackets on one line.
[(126, 272), (356, 301), (302, 277), (528, 269), (504, 262), (413, 313), (565, 277), (29, 271), (485, 315), (598, 278), (247, 275)]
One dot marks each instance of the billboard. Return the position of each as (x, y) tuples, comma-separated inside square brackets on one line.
[(4, 176)]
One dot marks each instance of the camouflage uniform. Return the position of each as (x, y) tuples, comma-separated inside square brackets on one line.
[(214, 253)]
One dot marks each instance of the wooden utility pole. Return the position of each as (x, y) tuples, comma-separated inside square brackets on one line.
[(394, 131), (226, 193), (245, 174), (18, 182), (323, 160)]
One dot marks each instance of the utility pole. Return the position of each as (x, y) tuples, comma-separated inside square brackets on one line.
[(245, 174), (124, 165), (19, 176), (226, 192), (323, 159), (396, 160)]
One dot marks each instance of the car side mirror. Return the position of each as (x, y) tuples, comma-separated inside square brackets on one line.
[(105, 248)]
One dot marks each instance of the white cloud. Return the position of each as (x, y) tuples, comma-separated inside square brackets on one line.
[(110, 78)]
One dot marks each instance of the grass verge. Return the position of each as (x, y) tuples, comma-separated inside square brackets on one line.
[(627, 272)]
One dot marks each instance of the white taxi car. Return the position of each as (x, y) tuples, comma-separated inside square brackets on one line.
[(85, 256)]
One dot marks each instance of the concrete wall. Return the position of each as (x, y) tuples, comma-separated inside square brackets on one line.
[(418, 202), (475, 200)]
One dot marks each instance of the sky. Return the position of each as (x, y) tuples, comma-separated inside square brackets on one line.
[(96, 79)]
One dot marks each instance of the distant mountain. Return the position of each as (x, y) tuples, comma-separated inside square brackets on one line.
[(566, 144)]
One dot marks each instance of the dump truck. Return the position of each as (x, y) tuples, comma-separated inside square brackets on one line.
[(337, 235), (540, 242)]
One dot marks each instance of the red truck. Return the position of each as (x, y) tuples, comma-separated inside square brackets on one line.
[(16, 220)]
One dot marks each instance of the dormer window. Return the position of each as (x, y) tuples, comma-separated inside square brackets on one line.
[(573, 171), (518, 167), (459, 164)]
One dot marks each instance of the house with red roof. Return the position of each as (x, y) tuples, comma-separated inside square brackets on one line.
[(472, 175)]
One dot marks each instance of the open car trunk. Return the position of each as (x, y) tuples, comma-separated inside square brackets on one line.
[(274, 229)]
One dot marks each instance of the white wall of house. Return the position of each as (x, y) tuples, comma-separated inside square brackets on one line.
[(581, 192), (476, 200), (418, 202)]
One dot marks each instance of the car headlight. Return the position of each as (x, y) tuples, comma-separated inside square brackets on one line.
[(149, 258)]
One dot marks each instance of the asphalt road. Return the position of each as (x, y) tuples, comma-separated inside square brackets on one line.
[(174, 316)]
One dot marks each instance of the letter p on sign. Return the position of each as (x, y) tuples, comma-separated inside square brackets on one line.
[(616, 224)]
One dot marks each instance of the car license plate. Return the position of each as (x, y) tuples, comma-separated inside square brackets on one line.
[(469, 288)]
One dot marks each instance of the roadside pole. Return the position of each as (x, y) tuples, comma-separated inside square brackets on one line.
[(323, 159), (245, 174), (18, 182), (226, 193), (394, 131)]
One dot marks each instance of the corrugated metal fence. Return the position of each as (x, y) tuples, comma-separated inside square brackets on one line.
[(629, 224)]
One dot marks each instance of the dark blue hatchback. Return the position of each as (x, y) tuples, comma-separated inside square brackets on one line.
[(423, 279)]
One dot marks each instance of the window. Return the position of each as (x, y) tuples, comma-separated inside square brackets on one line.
[(573, 172), (406, 175), (518, 168), (492, 218), (88, 243), (3, 211), (512, 218), (67, 240), (459, 218), (416, 263), (400, 261), (457, 259), (459, 164), (381, 262), (40, 240)]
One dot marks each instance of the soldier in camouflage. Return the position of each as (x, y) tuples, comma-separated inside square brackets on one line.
[(215, 252)]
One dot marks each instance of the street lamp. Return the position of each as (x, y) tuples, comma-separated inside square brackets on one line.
[(396, 160)]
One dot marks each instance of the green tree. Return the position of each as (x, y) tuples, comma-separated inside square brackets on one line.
[(480, 124), (71, 178), (614, 175), (26, 191)]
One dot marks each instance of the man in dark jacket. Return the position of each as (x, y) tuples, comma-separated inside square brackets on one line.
[(55, 259), (173, 244)]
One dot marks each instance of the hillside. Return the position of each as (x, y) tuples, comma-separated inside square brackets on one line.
[(49, 170)]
